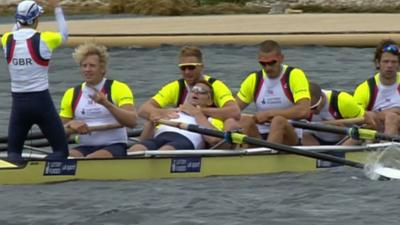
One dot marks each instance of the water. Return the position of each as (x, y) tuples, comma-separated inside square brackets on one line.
[(336, 196)]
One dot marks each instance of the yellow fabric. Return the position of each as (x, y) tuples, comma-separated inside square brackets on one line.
[(219, 124), (4, 39), (348, 107), (361, 94), (121, 95), (247, 88), (168, 95), (298, 84), (66, 104), (52, 39)]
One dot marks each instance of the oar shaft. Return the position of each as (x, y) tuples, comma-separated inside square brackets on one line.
[(321, 127), (293, 150)]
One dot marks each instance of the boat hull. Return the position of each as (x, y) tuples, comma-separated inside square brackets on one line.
[(178, 166)]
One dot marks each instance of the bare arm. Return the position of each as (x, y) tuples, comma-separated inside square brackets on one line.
[(241, 103), (62, 25), (125, 115), (76, 126), (300, 110), (229, 110), (148, 130), (151, 110)]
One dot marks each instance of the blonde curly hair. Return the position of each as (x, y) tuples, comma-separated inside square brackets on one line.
[(84, 50)]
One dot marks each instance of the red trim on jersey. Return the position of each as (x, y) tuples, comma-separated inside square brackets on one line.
[(35, 55)]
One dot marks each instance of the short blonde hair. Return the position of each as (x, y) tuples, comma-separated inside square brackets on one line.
[(84, 50), (191, 51)]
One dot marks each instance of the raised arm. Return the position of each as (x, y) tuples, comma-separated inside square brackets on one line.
[(62, 24)]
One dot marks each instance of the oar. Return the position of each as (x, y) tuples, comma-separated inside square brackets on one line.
[(39, 135), (241, 138), (353, 132), (96, 128)]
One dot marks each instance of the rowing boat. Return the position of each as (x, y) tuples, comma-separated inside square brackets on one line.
[(177, 164)]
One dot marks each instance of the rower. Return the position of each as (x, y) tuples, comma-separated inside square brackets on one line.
[(168, 98), (28, 53), (170, 138), (279, 91), (380, 94), (97, 101), (329, 105)]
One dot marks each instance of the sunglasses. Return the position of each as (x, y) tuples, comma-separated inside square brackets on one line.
[(315, 106), (271, 63), (199, 90), (189, 66), (391, 48)]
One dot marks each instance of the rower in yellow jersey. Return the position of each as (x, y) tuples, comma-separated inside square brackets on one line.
[(280, 92), (380, 95), (165, 103), (329, 105)]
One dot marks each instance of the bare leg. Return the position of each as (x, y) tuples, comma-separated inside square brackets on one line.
[(167, 147), (309, 139), (249, 127), (102, 153), (282, 132), (75, 153), (137, 148), (391, 123)]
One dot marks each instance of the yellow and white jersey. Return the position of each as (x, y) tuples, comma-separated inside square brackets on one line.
[(28, 53), (95, 114), (374, 96), (278, 93), (346, 107)]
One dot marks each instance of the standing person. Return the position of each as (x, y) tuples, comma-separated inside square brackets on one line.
[(280, 92), (165, 137), (98, 101), (329, 105), (380, 94), (28, 54), (175, 93)]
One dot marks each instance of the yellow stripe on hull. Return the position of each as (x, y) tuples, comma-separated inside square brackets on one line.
[(39, 171)]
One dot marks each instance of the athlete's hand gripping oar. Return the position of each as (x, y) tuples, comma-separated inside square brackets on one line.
[(241, 138), (353, 132)]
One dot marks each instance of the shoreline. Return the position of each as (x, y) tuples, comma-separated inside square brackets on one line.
[(359, 30)]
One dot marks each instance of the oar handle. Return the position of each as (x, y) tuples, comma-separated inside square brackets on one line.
[(97, 128)]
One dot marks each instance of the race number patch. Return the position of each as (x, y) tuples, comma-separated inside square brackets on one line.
[(186, 165), (60, 168)]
